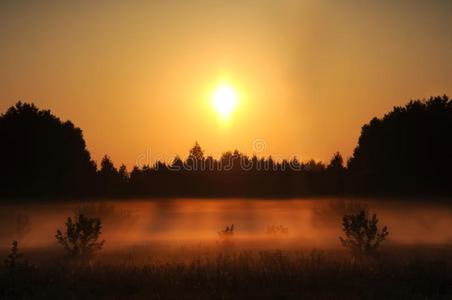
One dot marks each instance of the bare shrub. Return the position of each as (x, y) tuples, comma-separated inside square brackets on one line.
[(81, 236), (15, 260), (362, 235), (226, 235)]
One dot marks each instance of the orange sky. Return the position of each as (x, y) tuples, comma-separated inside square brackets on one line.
[(137, 77)]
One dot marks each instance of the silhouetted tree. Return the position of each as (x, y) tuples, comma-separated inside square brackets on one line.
[(362, 235), (123, 174), (406, 151), (15, 260), (409, 150), (41, 155), (107, 168), (196, 152), (195, 158), (112, 181), (335, 174), (81, 236), (336, 163)]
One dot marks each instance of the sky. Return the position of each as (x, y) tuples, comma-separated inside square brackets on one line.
[(138, 76)]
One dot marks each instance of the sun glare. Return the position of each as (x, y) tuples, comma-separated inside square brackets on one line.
[(225, 101)]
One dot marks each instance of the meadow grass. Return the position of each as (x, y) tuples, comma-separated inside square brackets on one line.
[(397, 274)]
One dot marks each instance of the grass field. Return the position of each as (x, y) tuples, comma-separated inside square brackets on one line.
[(399, 273), (160, 250)]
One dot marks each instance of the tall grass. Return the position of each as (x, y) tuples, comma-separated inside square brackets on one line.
[(240, 275)]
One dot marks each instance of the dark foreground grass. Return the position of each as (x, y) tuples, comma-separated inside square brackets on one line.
[(241, 275)]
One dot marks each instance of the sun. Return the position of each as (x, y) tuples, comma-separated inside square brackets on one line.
[(224, 100)]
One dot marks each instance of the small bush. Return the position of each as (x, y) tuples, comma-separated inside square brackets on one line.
[(362, 235), (227, 232), (15, 260), (226, 235), (81, 236), (17, 278)]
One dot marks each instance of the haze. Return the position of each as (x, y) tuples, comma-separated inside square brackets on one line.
[(138, 76)]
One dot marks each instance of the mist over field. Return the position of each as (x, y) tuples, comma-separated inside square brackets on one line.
[(153, 223)]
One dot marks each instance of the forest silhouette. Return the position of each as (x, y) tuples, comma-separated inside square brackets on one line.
[(407, 152)]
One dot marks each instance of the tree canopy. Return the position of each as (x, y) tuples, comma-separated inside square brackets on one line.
[(41, 155), (408, 150)]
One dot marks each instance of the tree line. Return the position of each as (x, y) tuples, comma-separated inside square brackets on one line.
[(408, 151)]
